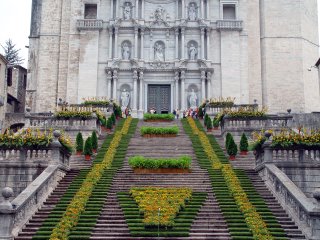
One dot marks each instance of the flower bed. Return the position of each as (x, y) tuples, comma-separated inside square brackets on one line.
[(221, 102), (246, 112), (159, 131), (32, 139), (78, 203), (148, 117), (183, 162), (160, 205), (96, 101)]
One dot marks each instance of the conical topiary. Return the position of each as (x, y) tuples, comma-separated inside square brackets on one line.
[(228, 137), (94, 141), (209, 123), (79, 143), (113, 118), (200, 113), (88, 147), (244, 143), (205, 121), (109, 123), (232, 149)]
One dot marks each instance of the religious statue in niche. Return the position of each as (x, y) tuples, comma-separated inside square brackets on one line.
[(127, 11), (126, 52), (193, 99), (125, 97), (159, 52), (193, 52), (192, 12)]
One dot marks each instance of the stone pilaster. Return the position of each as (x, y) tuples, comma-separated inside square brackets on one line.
[(203, 85), (110, 42), (135, 91), (177, 42), (202, 43), (182, 43), (136, 32), (183, 99), (115, 82), (109, 78), (116, 32), (176, 78), (142, 44), (209, 76)]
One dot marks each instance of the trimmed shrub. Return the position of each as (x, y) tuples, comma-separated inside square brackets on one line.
[(79, 142), (205, 121), (183, 162), (216, 122), (167, 117), (113, 118), (228, 137), (109, 123), (209, 123), (94, 140), (88, 147), (159, 130), (200, 113), (244, 143), (232, 149)]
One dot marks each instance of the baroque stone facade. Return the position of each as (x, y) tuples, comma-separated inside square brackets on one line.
[(159, 53)]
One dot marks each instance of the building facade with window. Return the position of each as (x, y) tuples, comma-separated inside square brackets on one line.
[(173, 54)]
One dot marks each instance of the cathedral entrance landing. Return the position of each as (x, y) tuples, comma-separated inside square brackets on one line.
[(159, 98)]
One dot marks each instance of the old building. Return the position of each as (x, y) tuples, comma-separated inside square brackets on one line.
[(3, 89), (170, 54)]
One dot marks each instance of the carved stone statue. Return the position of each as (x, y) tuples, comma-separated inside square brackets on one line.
[(125, 97), (192, 12), (193, 52), (193, 99), (159, 13), (127, 11), (158, 52), (126, 52)]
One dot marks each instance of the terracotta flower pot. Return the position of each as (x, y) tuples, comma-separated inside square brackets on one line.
[(94, 150), (244, 153), (87, 157), (232, 157), (216, 128), (79, 153), (209, 130)]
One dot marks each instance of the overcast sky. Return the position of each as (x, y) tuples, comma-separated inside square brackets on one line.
[(15, 24)]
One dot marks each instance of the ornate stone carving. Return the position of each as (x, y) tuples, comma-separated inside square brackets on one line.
[(193, 99), (125, 97), (192, 11), (193, 51), (159, 65), (127, 11), (126, 50), (159, 51), (160, 16)]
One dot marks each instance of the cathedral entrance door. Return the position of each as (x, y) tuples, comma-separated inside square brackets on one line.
[(159, 98)]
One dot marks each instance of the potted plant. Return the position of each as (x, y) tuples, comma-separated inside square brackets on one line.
[(205, 119), (109, 124), (209, 124), (228, 137), (215, 123), (88, 149), (94, 141), (244, 145), (232, 149), (79, 143), (113, 118)]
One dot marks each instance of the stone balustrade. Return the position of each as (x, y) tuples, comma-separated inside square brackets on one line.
[(89, 24), (14, 215), (229, 25), (212, 111), (304, 210), (239, 125)]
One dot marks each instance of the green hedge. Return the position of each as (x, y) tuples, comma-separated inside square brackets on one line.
[(183, 162), (159, 130), (149, 116)]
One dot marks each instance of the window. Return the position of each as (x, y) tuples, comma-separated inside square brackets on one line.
[(90, 11), (9, 77), (229, 11)]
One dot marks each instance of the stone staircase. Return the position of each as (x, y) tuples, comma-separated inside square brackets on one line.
[(39, 217), (209, 223)]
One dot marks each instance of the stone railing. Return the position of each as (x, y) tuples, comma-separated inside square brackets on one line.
[(232, 124), (212, 111), (14, 215), (304, 210), (89, 24), (229, 25)]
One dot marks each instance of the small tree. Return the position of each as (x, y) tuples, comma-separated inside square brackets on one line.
[(113, 118), (88, 147), (228, 137), (205, 121), (200, 113), (244, 143), (232, 149), (216, 122), (209, 123), (109, 123), (79, 142), (11, 54), (94, 140)]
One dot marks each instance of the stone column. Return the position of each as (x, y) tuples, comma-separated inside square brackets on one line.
[(183, 10), (6, 215), (110, 42), (202, 9), (183, 100), (141, 91), (203, 85), (176, 78), (136, 42), (115, 81), (111, 12), (109, 78), (208, 42), (117, 10), (202, 43), (209, 75), (142, 44), (182, 42), (177, 42), (116, 32), (208, 9), (137, 9), (135, 92), (142, 9)]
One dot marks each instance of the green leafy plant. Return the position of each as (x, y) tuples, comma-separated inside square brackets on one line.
[(159, 130), (222, 102), (109, 123), (113, 118), (209, 123), (215, 122), (206, 117), (73, 113), (228, 137), (244, 143), (79, 142), (154, 117), (94, 140), (200, 112), (88, 147), (117, 110), (183, 162), (232, 148)]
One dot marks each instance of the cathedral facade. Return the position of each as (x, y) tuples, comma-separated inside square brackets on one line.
[(174, 54)]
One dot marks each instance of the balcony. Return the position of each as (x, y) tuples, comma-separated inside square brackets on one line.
[(89, 24), (229, 25)]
